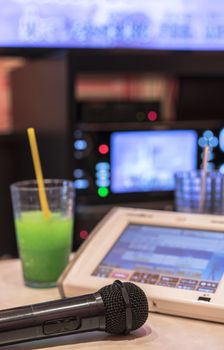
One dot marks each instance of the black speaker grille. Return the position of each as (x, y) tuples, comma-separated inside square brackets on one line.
[(115, 307)]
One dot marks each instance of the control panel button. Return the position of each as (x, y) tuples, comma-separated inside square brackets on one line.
[(81, 184)]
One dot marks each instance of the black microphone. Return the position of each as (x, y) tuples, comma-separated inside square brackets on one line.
[(117, 309)]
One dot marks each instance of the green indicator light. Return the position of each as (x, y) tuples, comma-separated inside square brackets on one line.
[(140, 116), (103, 191)]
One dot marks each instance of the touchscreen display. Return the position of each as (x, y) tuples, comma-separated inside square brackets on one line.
[(173, 257), (144, 161)]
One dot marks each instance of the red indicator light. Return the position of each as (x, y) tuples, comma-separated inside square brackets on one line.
[(103, 149), (83, 234), (152, 116)]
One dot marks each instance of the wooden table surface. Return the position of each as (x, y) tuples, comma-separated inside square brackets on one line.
[(160, 331)]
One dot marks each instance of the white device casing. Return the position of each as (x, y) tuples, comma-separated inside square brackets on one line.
[(78, 276)]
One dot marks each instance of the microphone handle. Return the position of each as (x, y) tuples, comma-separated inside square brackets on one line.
[(50, 319)]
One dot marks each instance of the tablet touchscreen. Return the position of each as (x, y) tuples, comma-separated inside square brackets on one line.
[(182, 258)]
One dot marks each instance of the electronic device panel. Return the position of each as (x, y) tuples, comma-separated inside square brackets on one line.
[(177, 258), (132, 162), (147, 160), (189, 259), (99, 111)]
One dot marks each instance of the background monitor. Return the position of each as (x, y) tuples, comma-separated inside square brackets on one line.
[(147, 160), (175, 25)]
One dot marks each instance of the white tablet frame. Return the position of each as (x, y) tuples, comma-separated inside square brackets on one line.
[(78, 278)]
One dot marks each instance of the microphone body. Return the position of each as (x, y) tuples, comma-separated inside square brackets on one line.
[(51, 319), (117, 309)]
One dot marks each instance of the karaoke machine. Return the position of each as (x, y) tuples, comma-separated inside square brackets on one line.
[(128, 162)]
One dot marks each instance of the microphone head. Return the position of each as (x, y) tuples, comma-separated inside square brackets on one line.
[(115, 307)]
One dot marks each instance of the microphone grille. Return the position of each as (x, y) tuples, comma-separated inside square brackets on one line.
[(115, 307)]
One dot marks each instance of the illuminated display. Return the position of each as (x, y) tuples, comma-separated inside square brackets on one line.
[(177, 24), (147, 160), (143, 161), (173, 257)]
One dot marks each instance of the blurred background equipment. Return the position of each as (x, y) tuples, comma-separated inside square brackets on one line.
[(85, 82)]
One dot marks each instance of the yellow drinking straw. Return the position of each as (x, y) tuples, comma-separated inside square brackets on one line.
[(38, 172)]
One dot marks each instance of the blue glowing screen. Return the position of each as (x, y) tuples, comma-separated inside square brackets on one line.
[(147, 160), (155, 24), (181, 252)]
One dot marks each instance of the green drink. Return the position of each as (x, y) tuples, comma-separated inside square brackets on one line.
[(44, 242), (44, 245)]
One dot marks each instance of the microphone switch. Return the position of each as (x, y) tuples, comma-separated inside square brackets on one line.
[(61, 325)]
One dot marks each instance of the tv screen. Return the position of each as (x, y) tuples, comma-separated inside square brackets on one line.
[(147, 160), (155, 24)]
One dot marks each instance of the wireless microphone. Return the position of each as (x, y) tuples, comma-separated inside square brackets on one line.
[(117, 309)]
